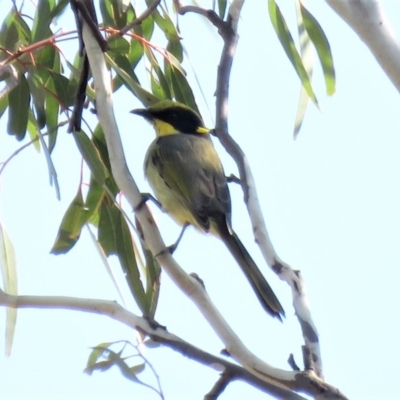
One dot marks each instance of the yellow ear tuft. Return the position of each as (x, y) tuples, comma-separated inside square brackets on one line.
[(203, 130)]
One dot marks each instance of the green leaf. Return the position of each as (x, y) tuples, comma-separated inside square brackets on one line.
[(161, 86), (18, 100), (145, 29), (33, 130), (164, 23), (288, 45), (99, 142), (123, 62), (175, 49), (107, 11), (107, 235), (45, 57), (307, 55), (180, 86), (112, 14), (58, 9), (63, 91), (143, 95), (94, 198), (322, 46), (42, 19), (153, 273), (10, 282), (115, 238), (127, 259), (221, 8), (96, 353), (52, 108), (135, 52), (14, 33), (91, 156), (71, 226), (38, 96), (119, 45)]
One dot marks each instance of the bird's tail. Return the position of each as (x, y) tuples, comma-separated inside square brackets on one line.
[(261, 287)]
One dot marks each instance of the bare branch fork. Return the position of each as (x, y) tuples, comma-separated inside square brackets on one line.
[(115, 311), (228, 31)]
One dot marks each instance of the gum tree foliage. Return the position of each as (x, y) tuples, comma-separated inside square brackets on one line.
[(42, 94)]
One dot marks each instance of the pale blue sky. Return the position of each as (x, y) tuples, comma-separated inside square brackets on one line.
[(330, 199)]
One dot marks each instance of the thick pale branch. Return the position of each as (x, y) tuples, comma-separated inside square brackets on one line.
[(159, 334), (368, 20)]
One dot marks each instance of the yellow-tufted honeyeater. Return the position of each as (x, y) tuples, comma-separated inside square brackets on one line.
[(187, 177)]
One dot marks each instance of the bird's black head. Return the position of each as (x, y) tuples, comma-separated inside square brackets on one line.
[(169, 115)]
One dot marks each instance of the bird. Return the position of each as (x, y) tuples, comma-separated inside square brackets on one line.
[(188, 180)]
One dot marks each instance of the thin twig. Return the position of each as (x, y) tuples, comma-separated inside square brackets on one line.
[(219, 386), (145, 14)]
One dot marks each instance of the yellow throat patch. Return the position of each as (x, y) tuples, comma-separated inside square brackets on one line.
[(165, 129)]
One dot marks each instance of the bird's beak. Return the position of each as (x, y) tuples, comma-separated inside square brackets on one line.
[(142, 112)]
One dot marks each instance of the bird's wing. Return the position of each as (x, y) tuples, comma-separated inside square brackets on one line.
[(190, 166)]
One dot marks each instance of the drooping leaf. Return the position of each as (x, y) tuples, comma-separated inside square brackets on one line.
[(282, 31), (63, 90), (222, 8), (124, 64), (58, 9), (180, 87), (36, 87), (113, 15), (99, 142), (71, 225), (14, 33), (33, 130), (3, 105), (18, 100), (96, 353), (91, 156), (175, 48), (51, 110), (307, 55), (160, 85), (93, 200), (118, 45), (165, 23), (45, 57), (42, 19), (107, 235), (320, 41), (153, 274), (102, 359), (10, 284), (135, 52), (143, 95), (145, 29), (127, 258), (115, 238)]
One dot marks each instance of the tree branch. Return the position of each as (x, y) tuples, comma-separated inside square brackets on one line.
[(145, 14), (158, 334), (262, 238), (369, 21)]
